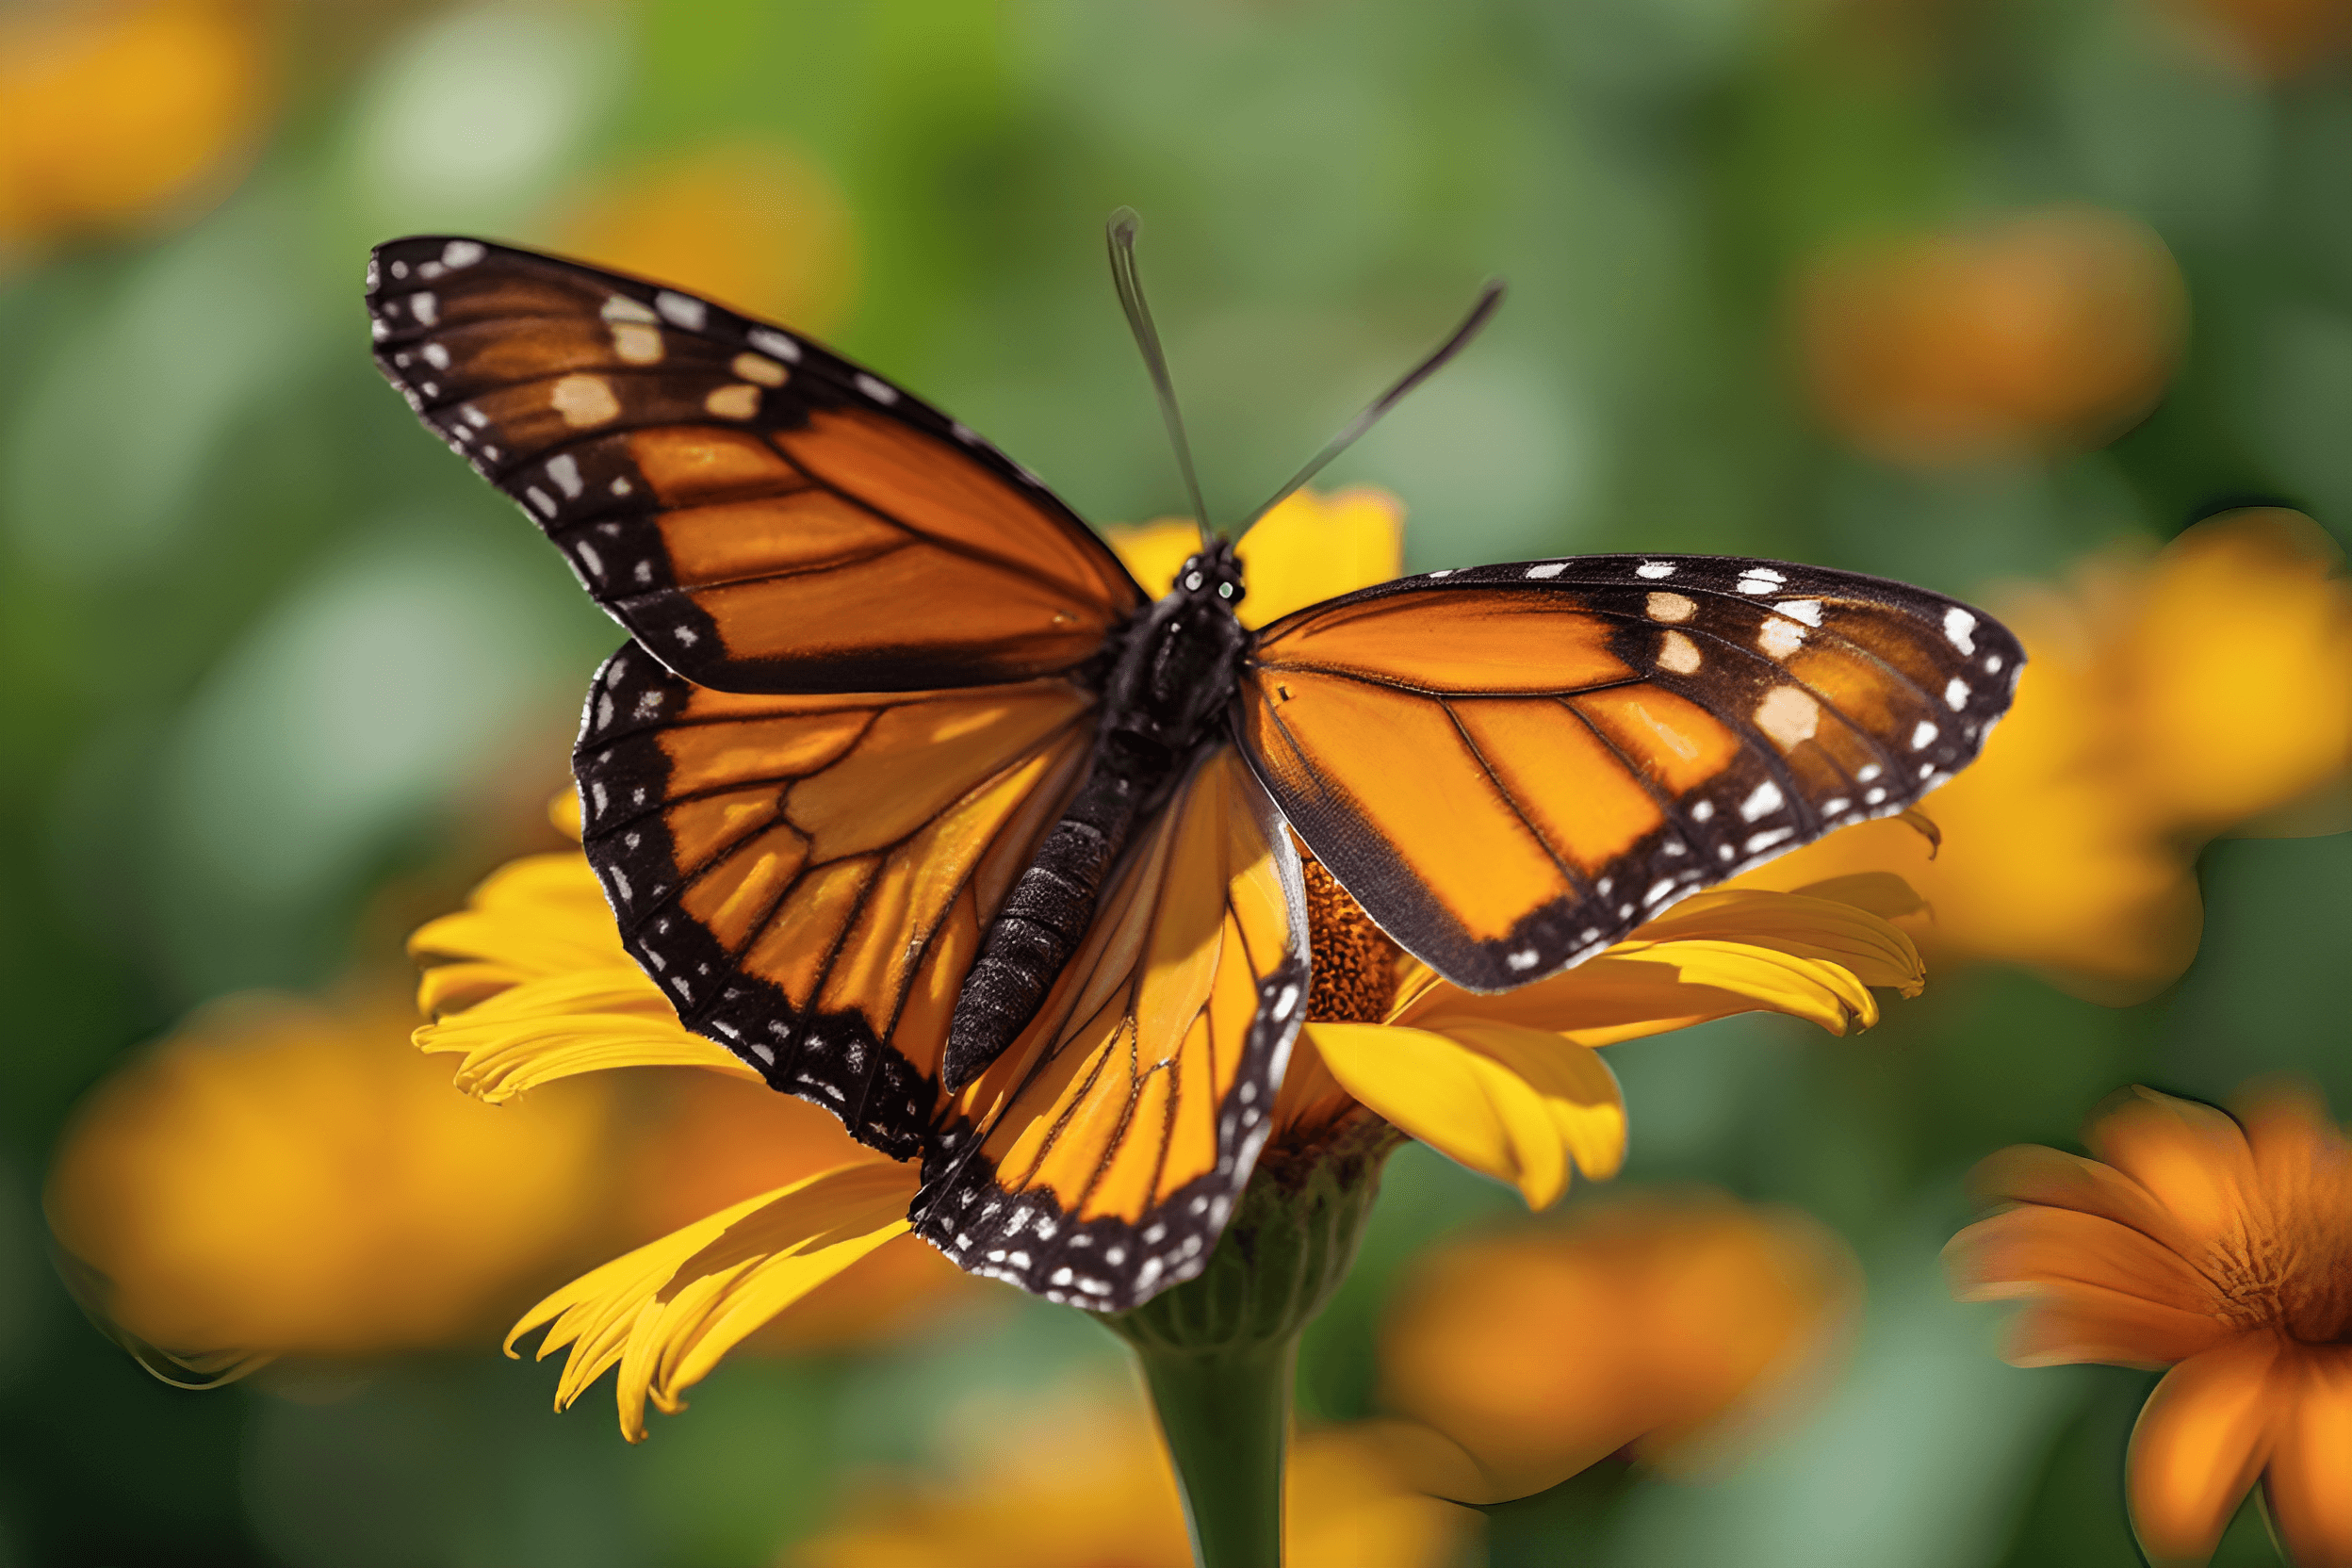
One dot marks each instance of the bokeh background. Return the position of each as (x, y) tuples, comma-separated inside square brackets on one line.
[(1971, 294)]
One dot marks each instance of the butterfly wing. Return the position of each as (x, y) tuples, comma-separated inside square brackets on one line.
[(807, 876), (760, 514), (1097, 1159), (1509, 767)]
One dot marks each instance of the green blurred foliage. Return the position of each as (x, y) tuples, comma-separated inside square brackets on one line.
[(264, 640)]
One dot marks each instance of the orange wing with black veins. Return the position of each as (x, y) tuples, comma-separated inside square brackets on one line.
[(760, 512), (1511, 767)]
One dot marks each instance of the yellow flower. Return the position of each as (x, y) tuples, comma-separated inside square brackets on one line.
[(2165, 700), (2054, 328), (530, 985), (1510, 1085), (2221, 1249), (1081, 1483), (756, 224), (1666, 1324), (117, 111), (280, 1177), (1312, 547)]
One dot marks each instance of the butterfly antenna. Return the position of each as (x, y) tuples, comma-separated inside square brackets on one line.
[(1123, 224), (1489, 298)]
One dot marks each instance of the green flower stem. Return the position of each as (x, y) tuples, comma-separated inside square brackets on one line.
[(1225, 1416), (1220, 1351)]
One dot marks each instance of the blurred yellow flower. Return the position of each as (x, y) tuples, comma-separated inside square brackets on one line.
[(530, 983), (1084, 1483), (2165, 700), (2054, 328), (117, 111), (755, 223), (2218, 1247), (278, 1177), (1669, 1324)]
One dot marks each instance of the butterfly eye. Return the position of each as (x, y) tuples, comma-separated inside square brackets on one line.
[(1224, 590), (1192, 583)]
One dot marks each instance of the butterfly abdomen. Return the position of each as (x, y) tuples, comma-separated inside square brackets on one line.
[(1173, 679)]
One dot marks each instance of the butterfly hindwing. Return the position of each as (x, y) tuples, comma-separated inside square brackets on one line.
[(807, 877), (1511, 767), (758, 512), (1098, 1160)]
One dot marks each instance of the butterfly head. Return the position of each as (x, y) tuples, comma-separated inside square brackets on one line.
[(1213, 574)]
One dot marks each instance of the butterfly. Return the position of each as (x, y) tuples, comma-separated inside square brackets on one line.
[(906, 793)]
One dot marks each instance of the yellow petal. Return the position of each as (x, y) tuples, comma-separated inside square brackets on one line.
[(1730, 951), (1312, 547), (543, 914), (667, 1313), (544, 1030), (1316, 547), (529, 983), (1516, 1104)]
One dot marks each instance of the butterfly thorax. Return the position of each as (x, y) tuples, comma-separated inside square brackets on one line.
[(1167, 692)]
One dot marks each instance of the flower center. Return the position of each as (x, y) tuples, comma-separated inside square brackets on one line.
[(1354, 975), (2272, 1280)]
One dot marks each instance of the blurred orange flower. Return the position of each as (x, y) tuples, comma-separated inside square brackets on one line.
[(1668, 1324), (2221, 1249), (755, 223), (1084, 1483), (2053, 329), (278, 1177), (2270, 38), (2165, 700), (115, 111)]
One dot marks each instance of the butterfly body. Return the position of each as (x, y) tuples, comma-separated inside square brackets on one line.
[(1175, 674), (908, 794)]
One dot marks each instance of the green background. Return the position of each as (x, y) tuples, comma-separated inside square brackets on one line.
[(258, 633)]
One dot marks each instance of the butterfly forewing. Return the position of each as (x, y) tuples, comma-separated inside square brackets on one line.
[(1511, 767), (807, 876), (760, 515), (1097, 1161)]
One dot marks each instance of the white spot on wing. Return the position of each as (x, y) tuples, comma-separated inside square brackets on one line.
[(1654, 569), (1924, 734), (1807, 610), (1766, 797), (1960, 626), (686, 312), (1788, 714), (1780, 638), (1956, 694), (1678, 653), (880, 391), (1670, 607), (564, 469), (461, 252), (425, 308), (775, 343), (1549, 568)]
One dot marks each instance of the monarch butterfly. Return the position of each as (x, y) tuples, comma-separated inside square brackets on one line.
[(906, 794)]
